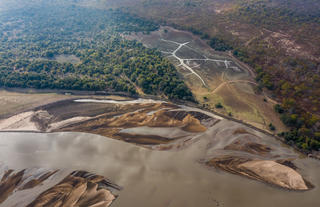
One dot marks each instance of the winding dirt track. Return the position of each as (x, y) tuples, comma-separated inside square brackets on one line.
[(182, 60), (185, 61)]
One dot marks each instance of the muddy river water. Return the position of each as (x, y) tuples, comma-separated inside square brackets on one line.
[(153, 178)]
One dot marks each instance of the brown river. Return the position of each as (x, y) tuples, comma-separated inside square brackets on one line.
[(154, 178)]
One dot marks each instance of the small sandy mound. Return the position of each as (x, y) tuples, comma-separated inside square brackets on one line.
[(275, 173), (267, 171)]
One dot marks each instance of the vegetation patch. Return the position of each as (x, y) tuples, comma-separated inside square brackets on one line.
[(101, 60)]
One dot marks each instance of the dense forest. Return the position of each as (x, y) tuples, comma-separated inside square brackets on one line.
[(31, 39)]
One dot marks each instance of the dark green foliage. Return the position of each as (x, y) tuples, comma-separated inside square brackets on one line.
[(205, 36), (193, 30), (272, 127), (278, 108), (219, 45), (219, 106), (33, 37), (131, 23), (303, 142), (241, 55), (303, 132)]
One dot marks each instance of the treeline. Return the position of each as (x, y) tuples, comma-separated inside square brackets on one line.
[(219, 44), (303, 130), (130, 23), (43, 81), (216, 43), (274, 13), (297, 90), (32, 38)]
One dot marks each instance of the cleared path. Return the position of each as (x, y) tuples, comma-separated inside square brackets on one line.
[(185, 61)]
